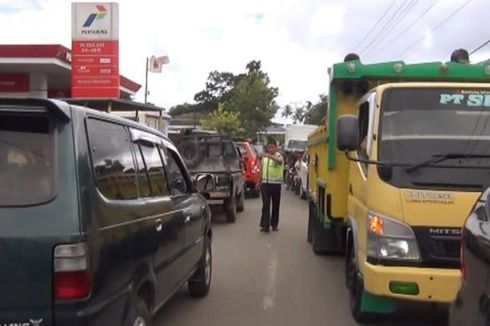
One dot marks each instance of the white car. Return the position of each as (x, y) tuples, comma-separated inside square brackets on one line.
[(303, 175)]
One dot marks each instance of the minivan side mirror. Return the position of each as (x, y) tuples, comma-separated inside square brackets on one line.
[(487, 205), (203, 183), (347, 133)]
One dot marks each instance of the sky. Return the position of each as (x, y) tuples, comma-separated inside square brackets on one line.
[(296, 40)]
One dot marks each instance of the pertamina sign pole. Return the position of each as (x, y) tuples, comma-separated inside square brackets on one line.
[(95, 50)]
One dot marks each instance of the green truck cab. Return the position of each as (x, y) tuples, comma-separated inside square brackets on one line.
[(393, 173)]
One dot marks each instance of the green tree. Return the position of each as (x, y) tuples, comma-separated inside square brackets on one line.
[(299, 114), (317, 113), (248, 94), (287, 111), (181, 109), (254, 99), (223, 121), (218, 90)]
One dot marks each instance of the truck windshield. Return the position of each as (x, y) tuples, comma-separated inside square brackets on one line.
[(420, 123), (26, 159), (299, 145)]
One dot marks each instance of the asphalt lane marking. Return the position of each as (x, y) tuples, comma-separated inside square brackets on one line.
[(270, 290)]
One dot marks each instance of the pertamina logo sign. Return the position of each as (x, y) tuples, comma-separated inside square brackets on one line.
[(95, 50), (88, 25), (95, 21)]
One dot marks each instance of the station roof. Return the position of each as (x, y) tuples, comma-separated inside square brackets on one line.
[(54, 60)]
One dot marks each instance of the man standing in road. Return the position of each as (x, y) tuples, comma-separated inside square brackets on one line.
[(271, 181)]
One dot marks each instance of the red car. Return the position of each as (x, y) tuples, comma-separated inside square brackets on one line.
[(252, 167)]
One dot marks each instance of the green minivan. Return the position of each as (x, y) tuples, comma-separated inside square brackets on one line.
[(99, 221)]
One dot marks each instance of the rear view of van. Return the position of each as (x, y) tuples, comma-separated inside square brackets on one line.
[(99, 222)]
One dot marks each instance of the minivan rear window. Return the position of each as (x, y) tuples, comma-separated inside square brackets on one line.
[(27, 160)]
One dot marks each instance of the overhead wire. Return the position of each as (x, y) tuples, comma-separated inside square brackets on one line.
[(383, 28), (393, 26), (412, 24), (375, 25), (437, 27), (480, 47)]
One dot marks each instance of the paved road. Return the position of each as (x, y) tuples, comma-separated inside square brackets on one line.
[(273, 279)]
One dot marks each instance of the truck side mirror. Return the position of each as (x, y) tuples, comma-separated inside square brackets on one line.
[(347, 133)]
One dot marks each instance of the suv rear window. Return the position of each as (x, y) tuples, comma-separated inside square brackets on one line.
[(27, 160)]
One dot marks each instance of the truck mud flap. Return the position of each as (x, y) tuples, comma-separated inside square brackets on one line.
[(377, 304), (329, 240)]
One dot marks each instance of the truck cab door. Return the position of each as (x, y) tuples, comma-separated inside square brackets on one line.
[(357, 202)]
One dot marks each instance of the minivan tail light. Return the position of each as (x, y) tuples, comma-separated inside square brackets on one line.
[(71, 278), (71, 285)]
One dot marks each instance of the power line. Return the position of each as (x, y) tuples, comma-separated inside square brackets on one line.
[(378, 34), (392, 27), (412, 24), (375, 25), (454, 13), (480, 47)]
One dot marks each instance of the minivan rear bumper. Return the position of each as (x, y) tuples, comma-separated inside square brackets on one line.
[(110, 311)]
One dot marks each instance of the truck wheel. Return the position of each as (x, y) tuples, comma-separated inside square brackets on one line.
[(240, 205), (316, 239), (356, 291), (311, 217), (230, 209), (200, 282), (138, 314)]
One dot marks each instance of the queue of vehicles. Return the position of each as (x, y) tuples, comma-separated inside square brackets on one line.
[(393, 174), (392, 177)]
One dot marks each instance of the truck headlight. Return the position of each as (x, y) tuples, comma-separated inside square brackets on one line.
[(389, 239)]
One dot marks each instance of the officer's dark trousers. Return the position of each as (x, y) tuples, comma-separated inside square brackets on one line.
[(271, 193)]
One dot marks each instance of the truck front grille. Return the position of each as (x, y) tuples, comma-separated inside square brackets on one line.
[(439, 247)]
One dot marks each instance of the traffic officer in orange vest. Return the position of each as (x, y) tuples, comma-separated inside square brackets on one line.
[(271, 180)]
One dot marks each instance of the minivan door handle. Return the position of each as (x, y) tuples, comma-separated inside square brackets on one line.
[(159, 225)]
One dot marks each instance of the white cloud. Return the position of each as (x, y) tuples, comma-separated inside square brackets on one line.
[(296, 40)]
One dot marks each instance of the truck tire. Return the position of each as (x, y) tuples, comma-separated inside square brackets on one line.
[(240, 205), (356, 291), (316, 239), (200, 282), (230, 209), (311, 221)]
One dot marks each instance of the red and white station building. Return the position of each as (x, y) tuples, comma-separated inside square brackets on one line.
[(43, 71)]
